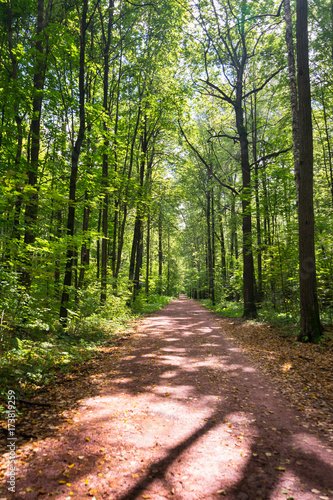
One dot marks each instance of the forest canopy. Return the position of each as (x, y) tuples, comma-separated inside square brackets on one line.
[(154, 147)]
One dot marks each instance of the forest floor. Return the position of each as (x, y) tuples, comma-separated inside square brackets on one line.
[(187, 406)]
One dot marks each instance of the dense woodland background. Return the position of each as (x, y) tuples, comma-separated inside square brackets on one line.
[(147, 148)]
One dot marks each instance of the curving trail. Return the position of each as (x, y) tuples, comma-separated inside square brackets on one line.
[(179, 412)]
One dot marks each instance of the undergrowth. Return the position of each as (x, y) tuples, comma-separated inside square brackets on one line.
[(286, 322), (31, 356)]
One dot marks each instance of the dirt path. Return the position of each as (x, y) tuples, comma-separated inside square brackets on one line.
[(179, 412)]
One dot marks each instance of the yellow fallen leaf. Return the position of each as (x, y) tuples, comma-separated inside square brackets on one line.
[(146, 496), (135, 475), (70, 466), (87, 439), (86, 481), (29, 489), (68, 484), (62, 482), (281, 468)]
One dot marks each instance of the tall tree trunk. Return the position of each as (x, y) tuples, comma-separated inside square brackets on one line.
[(293, 93), (327, 136), (70, 254), (213, 247), (58, 233), (250, 310), (160, 253), (168, 265), (310, 327), (116, 200), (222, 245), (209, 243), (85, 252), (147, 256), (256, 189), (31, 209), (121, 241), (98, 245), (105, 166)]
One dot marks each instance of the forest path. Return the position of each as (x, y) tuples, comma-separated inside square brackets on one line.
[(178, 411)]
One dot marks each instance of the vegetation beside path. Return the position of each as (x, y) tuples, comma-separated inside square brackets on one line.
[(303, 371), (32, 356)]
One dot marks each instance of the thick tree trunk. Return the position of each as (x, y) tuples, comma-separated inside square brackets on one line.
[(310, 327), (250, 310)]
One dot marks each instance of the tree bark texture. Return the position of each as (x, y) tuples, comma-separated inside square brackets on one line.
[(310, 327)]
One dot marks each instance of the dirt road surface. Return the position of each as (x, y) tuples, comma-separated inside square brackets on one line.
[(178, 412)]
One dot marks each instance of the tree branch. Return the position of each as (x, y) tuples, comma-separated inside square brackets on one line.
[(205, 163), (271, 155), (257, 89)]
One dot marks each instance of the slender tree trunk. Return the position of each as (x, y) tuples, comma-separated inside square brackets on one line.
[(70, 255), (98, 245), (58, 233), (105, 165), (116, 200), (121, 240), (293, 93), (327, 136), (213, 247), (147, 256), (160, 253), (222, 245), (256, 189), (168, 265), (85, 252), (209, 243), (310, 327), (31, 209)]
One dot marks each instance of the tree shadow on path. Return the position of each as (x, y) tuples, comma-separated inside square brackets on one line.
[(186, 415)]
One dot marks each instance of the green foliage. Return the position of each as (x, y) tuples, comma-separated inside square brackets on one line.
[(152, 303), (225, 309)]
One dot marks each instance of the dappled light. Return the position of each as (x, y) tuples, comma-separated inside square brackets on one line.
[(193, 420)]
